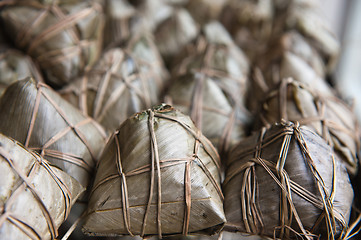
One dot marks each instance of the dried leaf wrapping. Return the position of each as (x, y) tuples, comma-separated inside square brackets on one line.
[(210, 86), (35, 197), (15, 66), (121, 20), (158, 175), (290, 56), (63, 37), (39, 118), (285, 182), (307, 20), (122, 83), (174, 32), (76, 216), (294, 44), (204, 11), (250, 22), (155, 11), (328, 116)]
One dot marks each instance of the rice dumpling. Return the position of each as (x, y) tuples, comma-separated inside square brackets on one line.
[(158, 175), (307, 20), (123, 82), (14, 66), (210, 85), (204, 11), (174, 32), (121, 20), (250, 23), (64, 37), (35, 197), (35, 115), (328, 116), (290, 56), (285, 182)]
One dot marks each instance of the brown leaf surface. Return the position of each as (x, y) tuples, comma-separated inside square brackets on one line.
[(35, 115), (158, 175), (285, 182), (63, 37), (328, 116), (35, 197), (210, 85), (14, 66), (123, 82)]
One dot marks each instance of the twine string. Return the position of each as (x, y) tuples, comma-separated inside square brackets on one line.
[(27, 178), (322, 199)]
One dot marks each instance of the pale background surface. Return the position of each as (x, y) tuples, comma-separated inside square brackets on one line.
[(345, 19)]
